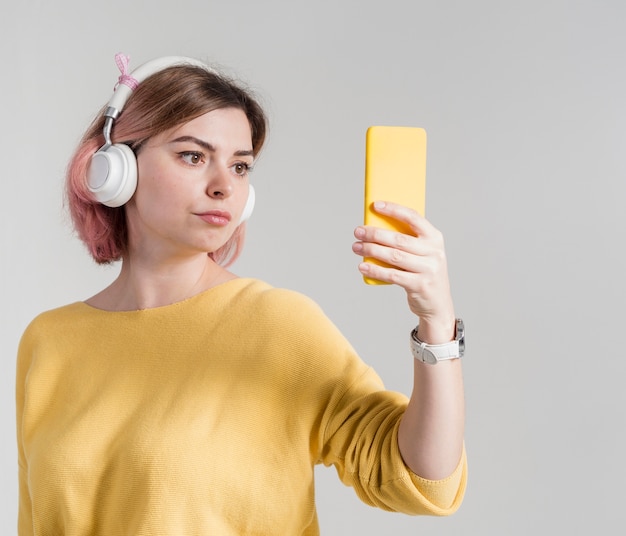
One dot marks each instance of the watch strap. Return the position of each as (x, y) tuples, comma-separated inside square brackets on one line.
[(433, 353)]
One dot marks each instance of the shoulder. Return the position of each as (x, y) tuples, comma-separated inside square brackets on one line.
[(53, 319), (266, 300), (291, 318), (46, 327)]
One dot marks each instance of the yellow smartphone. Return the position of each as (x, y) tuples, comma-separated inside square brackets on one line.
[(395, 170)]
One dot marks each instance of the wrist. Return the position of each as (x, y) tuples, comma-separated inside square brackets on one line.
[(433, 353), (436, 331)]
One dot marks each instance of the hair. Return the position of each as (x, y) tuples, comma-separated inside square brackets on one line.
[(164, 100)]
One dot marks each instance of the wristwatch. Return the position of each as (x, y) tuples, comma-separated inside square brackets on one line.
[(433, 353)]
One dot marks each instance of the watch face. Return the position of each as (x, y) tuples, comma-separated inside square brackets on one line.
[(460, 335)]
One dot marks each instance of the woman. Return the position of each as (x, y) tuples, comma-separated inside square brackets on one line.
[(182, 399)]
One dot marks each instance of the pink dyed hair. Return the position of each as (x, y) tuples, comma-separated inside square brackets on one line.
[(163, 101)]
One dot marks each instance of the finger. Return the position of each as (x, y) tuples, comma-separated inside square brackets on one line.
[(398, 258), (416, 222), (426, 295), (393, 239), (388, 274)]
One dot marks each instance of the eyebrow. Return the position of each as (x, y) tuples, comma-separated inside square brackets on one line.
[(207, 146)]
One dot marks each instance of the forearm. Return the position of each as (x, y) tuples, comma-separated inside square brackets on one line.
[(431, 433)]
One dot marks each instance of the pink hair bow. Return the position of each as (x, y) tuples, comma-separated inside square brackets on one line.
[(125, 78)]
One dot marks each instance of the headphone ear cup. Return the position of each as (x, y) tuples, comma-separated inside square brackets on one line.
[(112, 175), (247, 210)]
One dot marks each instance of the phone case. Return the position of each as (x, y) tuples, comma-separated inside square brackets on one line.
[(395, 170)]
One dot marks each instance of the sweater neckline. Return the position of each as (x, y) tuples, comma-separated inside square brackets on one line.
[(217, 289)]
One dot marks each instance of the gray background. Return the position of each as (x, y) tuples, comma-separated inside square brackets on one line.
[(524, 105)]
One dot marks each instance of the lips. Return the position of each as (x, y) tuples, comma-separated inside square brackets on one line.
[(215, 217)]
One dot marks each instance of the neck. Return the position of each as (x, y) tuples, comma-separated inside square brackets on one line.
[(142, 285)]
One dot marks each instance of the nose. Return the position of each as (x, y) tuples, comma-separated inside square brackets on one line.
[(219, 185)]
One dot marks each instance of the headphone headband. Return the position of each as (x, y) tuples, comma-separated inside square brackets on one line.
[(123, 91)]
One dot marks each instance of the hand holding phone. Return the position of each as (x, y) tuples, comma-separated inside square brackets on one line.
[(395, 171)]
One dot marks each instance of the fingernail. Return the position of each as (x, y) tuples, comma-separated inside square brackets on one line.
[(379, 204), (359, 232), (357, 247)]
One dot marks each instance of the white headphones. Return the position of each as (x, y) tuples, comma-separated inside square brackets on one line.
[(112, 173)]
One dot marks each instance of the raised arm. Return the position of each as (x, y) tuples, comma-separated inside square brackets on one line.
[(432, 429)]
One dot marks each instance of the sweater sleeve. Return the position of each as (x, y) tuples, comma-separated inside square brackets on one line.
[(358, 429), (25, 521), (361, 441)]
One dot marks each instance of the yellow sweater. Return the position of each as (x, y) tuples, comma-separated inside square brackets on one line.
[(203, 417)]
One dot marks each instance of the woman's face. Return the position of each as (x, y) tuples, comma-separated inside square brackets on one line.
[(192, 186)]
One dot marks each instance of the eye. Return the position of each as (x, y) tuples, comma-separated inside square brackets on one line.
[(192, 158), (242, 169)]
